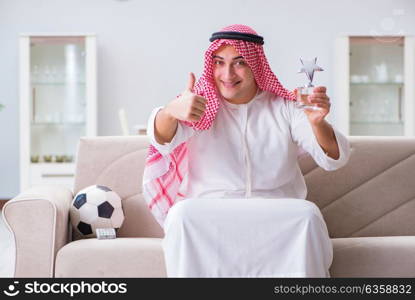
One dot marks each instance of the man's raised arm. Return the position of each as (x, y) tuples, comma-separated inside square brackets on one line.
[(187, 107)]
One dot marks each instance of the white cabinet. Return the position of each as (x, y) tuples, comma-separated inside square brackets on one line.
[(374, 85), (57, 104)]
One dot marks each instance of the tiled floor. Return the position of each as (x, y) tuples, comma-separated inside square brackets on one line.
[(7, 250)]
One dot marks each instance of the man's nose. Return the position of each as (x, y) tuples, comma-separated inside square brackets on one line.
[(229, 72)]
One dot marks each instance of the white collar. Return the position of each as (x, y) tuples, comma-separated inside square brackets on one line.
[(237, 106)]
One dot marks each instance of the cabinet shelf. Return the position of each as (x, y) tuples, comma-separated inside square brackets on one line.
[(57, 83), (399, 84), (52, 165), (375, 123), (57, 123)]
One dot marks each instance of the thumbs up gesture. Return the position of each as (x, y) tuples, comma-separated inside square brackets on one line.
[(189, 106)]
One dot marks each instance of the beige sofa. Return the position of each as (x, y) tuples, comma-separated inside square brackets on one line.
[(368, 205)]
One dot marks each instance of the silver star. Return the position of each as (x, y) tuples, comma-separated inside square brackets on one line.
[(309, 67)]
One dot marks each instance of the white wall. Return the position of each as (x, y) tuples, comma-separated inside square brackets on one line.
[(147, 48)]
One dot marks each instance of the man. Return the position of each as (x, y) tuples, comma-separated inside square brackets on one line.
[(236, 134)]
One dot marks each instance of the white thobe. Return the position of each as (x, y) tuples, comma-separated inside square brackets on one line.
[(265, 227)]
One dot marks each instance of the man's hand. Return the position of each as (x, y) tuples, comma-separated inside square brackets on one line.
[(322, 130), (320, 99), (189, 106)]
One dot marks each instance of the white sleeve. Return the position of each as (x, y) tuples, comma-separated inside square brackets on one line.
[(303, 135), (183, 133)]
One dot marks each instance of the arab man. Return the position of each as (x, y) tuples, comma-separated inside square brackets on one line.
[(222, 175)]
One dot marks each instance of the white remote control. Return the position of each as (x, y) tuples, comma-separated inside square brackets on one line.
[(105, 233)]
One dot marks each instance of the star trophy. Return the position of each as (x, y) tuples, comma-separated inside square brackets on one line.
[(309, 67)]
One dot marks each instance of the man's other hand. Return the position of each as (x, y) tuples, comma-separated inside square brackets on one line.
[(320, 99), (189, 106)]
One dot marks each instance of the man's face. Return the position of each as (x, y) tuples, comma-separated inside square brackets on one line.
[(233, 77)]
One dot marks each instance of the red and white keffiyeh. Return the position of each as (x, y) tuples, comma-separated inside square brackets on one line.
[(165, 176)]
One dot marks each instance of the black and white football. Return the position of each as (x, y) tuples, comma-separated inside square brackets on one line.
[(95, 207)]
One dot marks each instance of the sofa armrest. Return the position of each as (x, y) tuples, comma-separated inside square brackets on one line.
[(39, 221)]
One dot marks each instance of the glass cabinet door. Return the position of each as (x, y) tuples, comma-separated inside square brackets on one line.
[(58, 97), (376, 86)]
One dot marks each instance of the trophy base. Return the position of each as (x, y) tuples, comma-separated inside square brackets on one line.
[(302, 98), (304, 106)]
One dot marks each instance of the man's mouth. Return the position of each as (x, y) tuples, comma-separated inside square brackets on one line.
[(230, 84)]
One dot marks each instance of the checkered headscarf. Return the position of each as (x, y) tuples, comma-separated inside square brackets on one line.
[(165, 177)]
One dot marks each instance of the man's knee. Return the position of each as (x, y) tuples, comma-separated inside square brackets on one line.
[(180, 211), (310, 211)]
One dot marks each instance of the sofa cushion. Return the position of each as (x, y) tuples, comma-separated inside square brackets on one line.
[(120, 257), (374, 257), (143, 257)]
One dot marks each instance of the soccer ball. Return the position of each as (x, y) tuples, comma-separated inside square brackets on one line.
[(95, 207)]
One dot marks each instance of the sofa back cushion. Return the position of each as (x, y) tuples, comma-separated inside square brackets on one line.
[(373, 195), (118, 163)]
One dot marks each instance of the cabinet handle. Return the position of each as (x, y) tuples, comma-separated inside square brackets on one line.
[(400, 103), (34, 105), (57, 175)]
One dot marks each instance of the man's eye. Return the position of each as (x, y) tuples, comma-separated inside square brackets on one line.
[(218, 62), (241, 63)]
